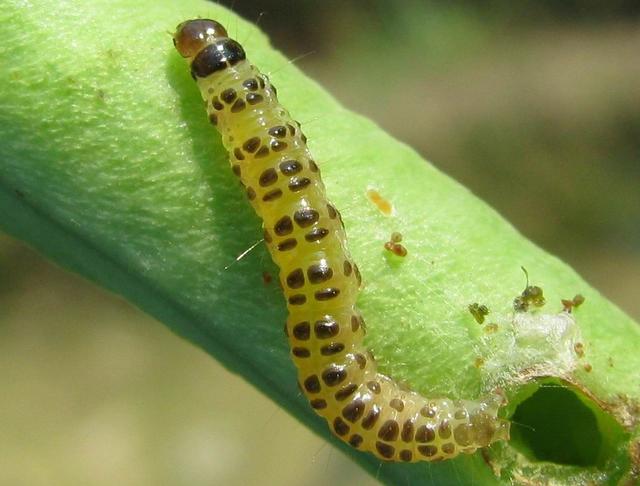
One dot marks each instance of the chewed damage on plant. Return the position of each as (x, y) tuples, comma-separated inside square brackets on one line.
[(538, 363)]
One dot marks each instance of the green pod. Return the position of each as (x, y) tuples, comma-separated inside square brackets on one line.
[(108, 166)]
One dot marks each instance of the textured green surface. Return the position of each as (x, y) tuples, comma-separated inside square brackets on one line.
[(109, 167)]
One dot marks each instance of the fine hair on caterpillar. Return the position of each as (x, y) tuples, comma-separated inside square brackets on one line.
[(306, 239)]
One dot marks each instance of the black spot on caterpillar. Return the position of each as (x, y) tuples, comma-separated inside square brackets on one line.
[(305, 236)]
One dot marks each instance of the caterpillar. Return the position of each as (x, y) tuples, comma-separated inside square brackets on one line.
[(306, 239)]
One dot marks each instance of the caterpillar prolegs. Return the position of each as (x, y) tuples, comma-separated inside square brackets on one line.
[(306, 239)]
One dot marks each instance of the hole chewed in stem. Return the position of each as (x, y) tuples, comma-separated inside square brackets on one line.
[(557, 423)]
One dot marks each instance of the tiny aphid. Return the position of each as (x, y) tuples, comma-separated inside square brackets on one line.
[(569, 304), (306, 238), (394, 246), (531, 296), (478, 311)]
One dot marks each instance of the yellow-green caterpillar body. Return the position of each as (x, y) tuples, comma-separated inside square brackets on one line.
[(306, 239)]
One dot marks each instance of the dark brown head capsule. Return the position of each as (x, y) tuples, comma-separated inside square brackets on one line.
[(193, 35), (217, 56)]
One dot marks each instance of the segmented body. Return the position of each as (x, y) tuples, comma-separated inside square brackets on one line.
[(306, 238)]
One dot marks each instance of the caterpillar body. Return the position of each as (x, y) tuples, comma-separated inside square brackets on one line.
[(306, 238)]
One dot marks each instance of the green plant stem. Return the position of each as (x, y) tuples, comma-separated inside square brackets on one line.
[(109, 167)]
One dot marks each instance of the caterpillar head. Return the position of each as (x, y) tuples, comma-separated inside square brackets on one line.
[(192, 36), (206, 44)]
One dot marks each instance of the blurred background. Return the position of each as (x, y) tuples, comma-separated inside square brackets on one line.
[(534, 105)]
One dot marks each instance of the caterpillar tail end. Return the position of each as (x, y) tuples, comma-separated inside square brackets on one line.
[(488, 427), (502, 430)]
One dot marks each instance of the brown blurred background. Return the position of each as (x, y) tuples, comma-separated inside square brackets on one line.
[(534, 105)]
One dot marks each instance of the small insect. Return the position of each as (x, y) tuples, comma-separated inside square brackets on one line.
[(383, 205), (394, 246), (478, 311), (531, 295), (569, 304), (491, 328), (306, 238)]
